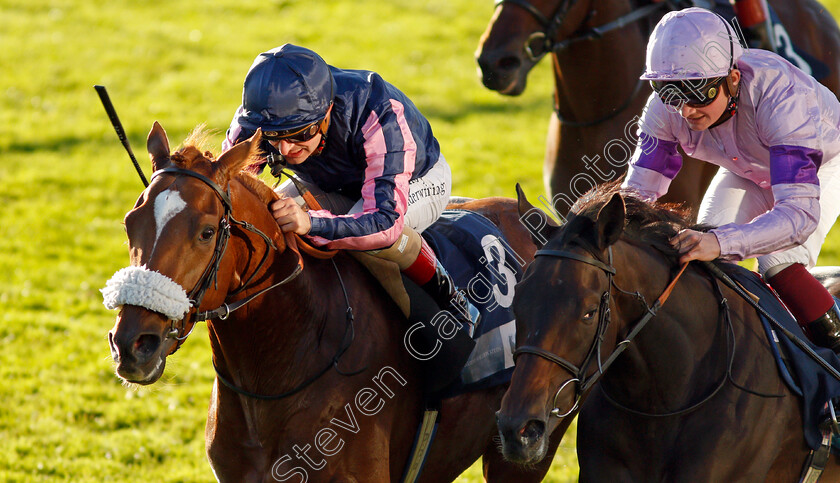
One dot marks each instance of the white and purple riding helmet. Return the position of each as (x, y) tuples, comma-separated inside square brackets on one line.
[(691, 51)]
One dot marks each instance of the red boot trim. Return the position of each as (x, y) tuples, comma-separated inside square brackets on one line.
[(804, 296), (749, 12), (423, 269)]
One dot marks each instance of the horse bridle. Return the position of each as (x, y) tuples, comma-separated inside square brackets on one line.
[(542, 42), (579, 373), (209, 276), (196, 295), (545, 38)]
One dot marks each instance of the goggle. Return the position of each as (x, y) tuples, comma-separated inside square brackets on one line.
[(294, 135), (678, 93)]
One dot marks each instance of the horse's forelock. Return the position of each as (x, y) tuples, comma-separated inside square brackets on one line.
[(195, 155), (647, 223)]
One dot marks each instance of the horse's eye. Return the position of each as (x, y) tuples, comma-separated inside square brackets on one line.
[(589, 315), (207, 234)]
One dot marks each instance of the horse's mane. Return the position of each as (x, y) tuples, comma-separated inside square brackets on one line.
[(194, 152), (645, 222)]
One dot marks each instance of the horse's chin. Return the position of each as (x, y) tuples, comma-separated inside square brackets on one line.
[(144, 375), (506, 85), (525, 455)]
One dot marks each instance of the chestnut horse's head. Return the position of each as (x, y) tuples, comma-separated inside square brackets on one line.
[(519, 35), (177, 234)]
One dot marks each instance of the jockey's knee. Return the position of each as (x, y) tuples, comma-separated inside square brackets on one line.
[(404, 251)]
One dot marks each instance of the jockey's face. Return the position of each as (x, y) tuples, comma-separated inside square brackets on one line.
[(701, 118), (297, 153)]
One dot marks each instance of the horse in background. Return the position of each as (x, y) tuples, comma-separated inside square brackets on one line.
[(696, 394), (305, 387), (598, 94)]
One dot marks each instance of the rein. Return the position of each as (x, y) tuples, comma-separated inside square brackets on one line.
[(583, 382), (542, 42), (196, 295), (209, 276), (345, 344)]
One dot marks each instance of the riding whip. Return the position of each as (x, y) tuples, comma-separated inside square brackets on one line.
[(118, 127)]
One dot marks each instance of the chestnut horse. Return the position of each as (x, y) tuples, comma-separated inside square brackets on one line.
[(695, 396), (313, 380), (598, 94)]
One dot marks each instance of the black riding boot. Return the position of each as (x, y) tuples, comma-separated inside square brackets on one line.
[(443, 291), (825, 331)]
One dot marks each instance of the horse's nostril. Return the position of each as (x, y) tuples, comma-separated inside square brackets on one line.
[(509, 63), (115, 353), (532, 431), (146, 345)]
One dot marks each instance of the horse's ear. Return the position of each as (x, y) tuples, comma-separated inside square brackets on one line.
[(234, 159), (539, 225), (611, 221), (158, 146)]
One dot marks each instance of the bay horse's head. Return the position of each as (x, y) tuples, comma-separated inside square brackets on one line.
[(563, 306), (519, 35), (177, 236)]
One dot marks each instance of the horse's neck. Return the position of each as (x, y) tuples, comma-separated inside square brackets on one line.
[(592, 77), (682, 351), (278, 331)]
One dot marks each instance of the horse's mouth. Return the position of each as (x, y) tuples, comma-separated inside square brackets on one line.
[(145, 371), (146, 375), (507, 85), (523, 443), (524, 454)]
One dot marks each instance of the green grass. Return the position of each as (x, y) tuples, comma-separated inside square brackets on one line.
[(65, 184)]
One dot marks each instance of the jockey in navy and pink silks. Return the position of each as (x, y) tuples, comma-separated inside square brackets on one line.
[(775, 133), (365, 151)]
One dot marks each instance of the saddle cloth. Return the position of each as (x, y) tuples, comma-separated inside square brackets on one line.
[(802, 374), (484, 266)]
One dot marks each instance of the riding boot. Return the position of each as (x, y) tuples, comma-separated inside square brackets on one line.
[(808, 301), (825, 331), (443, 291), (754, 21), (758, 37), (418, 262)]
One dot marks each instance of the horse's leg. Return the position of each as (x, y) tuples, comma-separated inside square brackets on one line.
[(229, 459)]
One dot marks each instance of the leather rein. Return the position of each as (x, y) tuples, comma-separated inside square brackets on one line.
[(209, 276), (579, 374)]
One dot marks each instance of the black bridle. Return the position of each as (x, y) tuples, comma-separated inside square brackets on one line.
[(582, 381), (208, 277), (543, 41)]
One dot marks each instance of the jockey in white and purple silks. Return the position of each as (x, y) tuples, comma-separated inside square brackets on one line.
[(366, 152), (775, 133)]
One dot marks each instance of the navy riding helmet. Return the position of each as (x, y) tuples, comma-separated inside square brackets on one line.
[(286, 88)]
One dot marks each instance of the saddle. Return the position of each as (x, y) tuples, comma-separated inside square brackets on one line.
[(809, 371), (482, 264)]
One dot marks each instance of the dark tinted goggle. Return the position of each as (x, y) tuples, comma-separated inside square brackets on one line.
[(300, 135), (698, 93)]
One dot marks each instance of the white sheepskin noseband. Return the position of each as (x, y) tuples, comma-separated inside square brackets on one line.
[(146, 288)]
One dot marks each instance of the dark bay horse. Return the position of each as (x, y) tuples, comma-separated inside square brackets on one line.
[(353, 397), (695, 396), (598, 94)]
